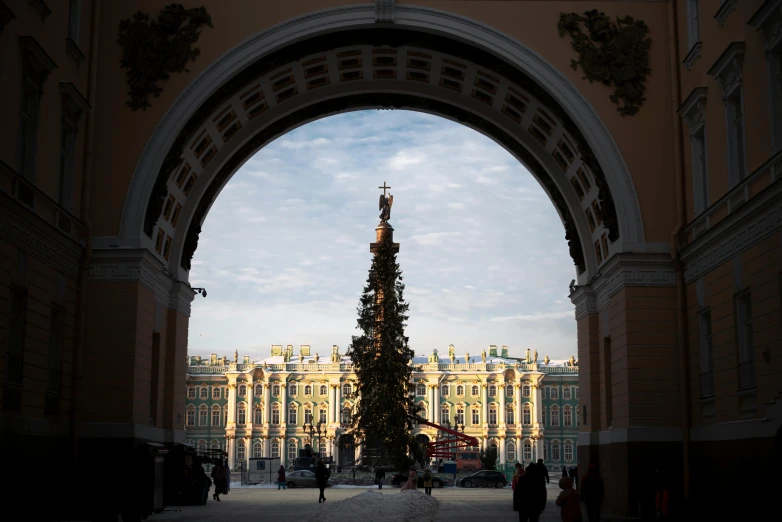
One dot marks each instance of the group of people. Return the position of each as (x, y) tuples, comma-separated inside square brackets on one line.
[(529, 493), (412, 480)]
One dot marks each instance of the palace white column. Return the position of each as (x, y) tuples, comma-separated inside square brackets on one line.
[(501, 413), (519, 455), (333, 404), (485, 398), (283, 407), (539, 448), (501, 450), (230, 448), (537, 403), (267, 406), (231, 404), (283, 450), (518, 418), (437, 419), (432, 405), (267, 447), (248, 451), (337, 405)]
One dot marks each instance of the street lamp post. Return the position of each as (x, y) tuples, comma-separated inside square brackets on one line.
[(314, 429)]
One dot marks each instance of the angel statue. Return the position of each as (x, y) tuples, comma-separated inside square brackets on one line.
[(385, 206)]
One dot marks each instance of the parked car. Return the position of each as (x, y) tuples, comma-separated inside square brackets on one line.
[(301, 478), (400, 478), (495, 479)]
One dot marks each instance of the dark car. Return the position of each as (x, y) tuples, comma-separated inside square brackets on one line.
[(400, 478), (494, 479)]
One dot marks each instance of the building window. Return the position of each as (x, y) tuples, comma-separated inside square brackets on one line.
[(555, 450), (700, 181), (307, 416), (566, 393), (276, 390), (567, 414), (74, 12), (240, 451), (525, 390), (292, 415), (554, 393), (257, 450), (526, 414), (444, 390), (225, 416), (545, 450), (745, 341), (215, 445), (347, 389), (493, 415), (242, 415), (575, 392), (693, 36), (542, 392), (191, 393), (324, 391), (308, 390), (242, 391), (292, 450), (527, 450), (54, 374), (460, 391), (476, 417), (257, 415), (275, 450), (215, 415), (706, 375), (347, 416), (190, 417), (510, 452), (216, 393), (204, 393), (492, 391), (28, 129), (736, 137), (568, 451), (322, 415), (258, 390), (203, 416), (276, 416), (459, 415), (509, 417), (322, 449), (775, 70), (509, 390), (292, 390), (420, 390), (201, 446), (555, 416), (545, 415), (476, 391)]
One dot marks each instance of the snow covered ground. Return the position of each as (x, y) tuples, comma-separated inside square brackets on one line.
[(373, 505)]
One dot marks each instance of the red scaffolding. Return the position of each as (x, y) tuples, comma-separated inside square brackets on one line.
[(446, 448)]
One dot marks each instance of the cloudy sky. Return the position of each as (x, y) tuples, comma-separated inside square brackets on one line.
[(284, 251)]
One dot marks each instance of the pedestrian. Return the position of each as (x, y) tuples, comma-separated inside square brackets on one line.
[(281, 478), (661, 495), (517, 473), (529, 495), (218, 475), (543, 471), (573, 474), (322, 475), (412, 480), (564, 471), (428, 481), (380, 474), (568, 501), (592, 492)]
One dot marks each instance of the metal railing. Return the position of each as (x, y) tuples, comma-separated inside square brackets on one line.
[(347, 367)]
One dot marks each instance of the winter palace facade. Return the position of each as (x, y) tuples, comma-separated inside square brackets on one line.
[(527, 408)]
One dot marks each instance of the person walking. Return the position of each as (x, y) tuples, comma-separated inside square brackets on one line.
[(661, 495), (568, 501), (573, 474), (218, 475), (412, 480), (564, 471), (543, 471), (428, 481), (517, 473), (529, 495), (591, 492), (380, 474), (322, 475), (281, 478)]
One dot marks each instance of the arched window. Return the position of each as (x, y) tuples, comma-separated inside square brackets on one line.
[(215, 445), (324, 390), (555, 450), (191, 393), (240, 451), (190, 419), (566, 393), (422, 413), (257, 450), (567, 415), (510, 452), (322, 449), (322, 414), (492, 391), (225, 415), (509, 390), (476, 391), (292, 450), (553, 392), (555, 415), (568, 451), (215, 415), (276, 390), (444, 390), (575, 392), (292, 414), (257, 415), (421, 390), (527, 450), (445, 414), (493, 415), (509, 417), (347, 416), (258, 390), (460, 414), (276, 414), (308, 390), (307, 415), (242, 414), (526, 414), (275, 449), (525, 390), (292, 390), (242, 390), (216, 393), (476, 416), (460, 390), (204, 394), (347, 389), (201, 446)]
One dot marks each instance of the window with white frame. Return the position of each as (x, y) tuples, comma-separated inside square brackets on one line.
[(706, 375), (693, 35), (307, 415), (460, 414), (292, 450), (700, 181), (555, 416), (422, 413), (191, 393), (575, 392), (527, 448), (242, 390), (566, 394), (203, 416), (444, 390), (567, 415), (727, 70), (460, 391), (510, 452), (275, 449), (292, 414), (257, 415), (190, 417), (347, 415), (27, 142), (526, 414), (216, 393), (476, 391), (324, 390), (509, 416), (555, 450), (240, 450), (276, 415), (545, 450), (276, 390), (347, 390), (322, 449), (201, 446), (545, 415), (215, 445), (308, 390), (241, 414), (259, 390), (322, 415), (445, 414), (476, 416), (204, 393), (554, 393), (225, 415), (526, 391), (745, 340), (736, 137), (509, 390), (215, 415), (492, 391), (493, 415), (292, 390), (257, 450), (568, 451), (420, 390)]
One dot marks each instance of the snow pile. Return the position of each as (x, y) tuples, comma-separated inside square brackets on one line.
[(412, 506)]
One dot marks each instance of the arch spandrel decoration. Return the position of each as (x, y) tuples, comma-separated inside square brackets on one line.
[(385, 67)]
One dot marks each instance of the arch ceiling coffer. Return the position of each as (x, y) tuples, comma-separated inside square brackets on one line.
[(255, 99)]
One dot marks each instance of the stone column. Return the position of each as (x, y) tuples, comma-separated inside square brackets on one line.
[(501, 412), (248, 451), (231, 405), (485, 398), (284, 406), (437, 419), (519, 449), (518, 406), (537, 404), (501, 450), (337, 405), (267, 448), (334, 450), (230, 448), (267, 405), (283, 449), (539, 448), (333, 413)]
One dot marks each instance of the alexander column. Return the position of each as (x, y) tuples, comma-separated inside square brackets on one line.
[(382, 232)]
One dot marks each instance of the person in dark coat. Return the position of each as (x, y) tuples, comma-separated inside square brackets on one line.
[(322, 475), (218, 475), (573, 474), (591, 492), (564, 471), (380, 474), (543, 471), (281, 478), (529, 496)]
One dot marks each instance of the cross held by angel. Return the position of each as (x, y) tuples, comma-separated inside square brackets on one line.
[(385, 204)]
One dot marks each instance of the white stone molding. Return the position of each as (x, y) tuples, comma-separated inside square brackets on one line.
[(727, 69), (30, 234), (754, 221), (693, 110), (409, 17), (768, 20), (384, 11), (584, 300), (726, 7), (693, 55)]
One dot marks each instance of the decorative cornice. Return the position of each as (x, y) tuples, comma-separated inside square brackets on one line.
[(6, 15), (38, 238), (384, 11), (692, 55), (40, 6), (73, 50), (693, 109), (624, 270), (754, 221), (727, 69), (726, 7), (584, 300), (36, 60), (768, 20)]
